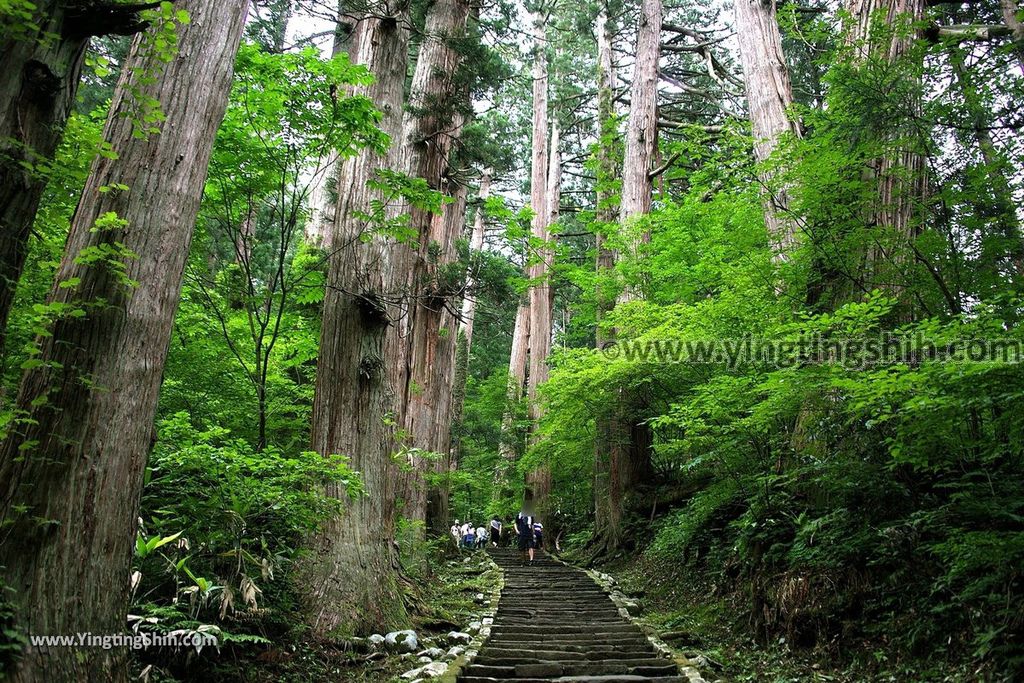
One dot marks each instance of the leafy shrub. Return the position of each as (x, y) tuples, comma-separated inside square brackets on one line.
[(222, 523)]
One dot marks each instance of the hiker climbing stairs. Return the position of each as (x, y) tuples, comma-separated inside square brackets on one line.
[(555, 623)]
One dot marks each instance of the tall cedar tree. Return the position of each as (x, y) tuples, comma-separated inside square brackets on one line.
[(71, 470), (350, 580), (606, 215), (538, 482), (769, 96), (438, 101), (900, 173), (629, 441)]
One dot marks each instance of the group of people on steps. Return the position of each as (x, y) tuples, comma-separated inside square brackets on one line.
[(526, 532)]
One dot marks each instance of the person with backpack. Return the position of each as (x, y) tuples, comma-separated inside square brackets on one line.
[(495, 530), (468, 538), (524, 530)]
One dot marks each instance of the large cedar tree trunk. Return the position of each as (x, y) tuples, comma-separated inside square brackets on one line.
[(538, 482), (77, 458), (509, 446), (350, 579), (476, 245), (324, 185), (900, 172), (628, 441), (607, 214), (769, 96), (466, 324), (438, 101), (38, 83), (447, 229)]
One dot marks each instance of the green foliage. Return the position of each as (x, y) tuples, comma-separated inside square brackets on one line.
[(220, 517), (66, 176), (14, 640)]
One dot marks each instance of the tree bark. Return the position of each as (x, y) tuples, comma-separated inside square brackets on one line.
[(900, 173), (38, 84), (627, 439), (538, 482), (438, 101), (350, 580), (326, 179), (1011, 15), (769, 97), (77, 456), (476, 245), (641, 134), (508, 448), (606, 214), (468, 318), (607, 134), (446, 229)]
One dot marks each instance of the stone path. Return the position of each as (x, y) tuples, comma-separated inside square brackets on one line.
[(555, 624)]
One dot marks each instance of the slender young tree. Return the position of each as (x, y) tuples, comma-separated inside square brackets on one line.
[(350, 579), (1001, 205), (42, 66), (71, 470), (1012, 17), (769, 97)]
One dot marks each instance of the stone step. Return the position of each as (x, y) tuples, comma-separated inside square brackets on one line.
[(549, 643), (581, 654), (564, 630), (651, 667), (631, 659), (578, 679), (545, 605)]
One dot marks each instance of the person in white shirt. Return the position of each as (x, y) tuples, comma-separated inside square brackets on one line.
[(481, 536), (454, 531)]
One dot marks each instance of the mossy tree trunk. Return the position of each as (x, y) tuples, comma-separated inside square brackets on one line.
[(350, 579), (71, 472)]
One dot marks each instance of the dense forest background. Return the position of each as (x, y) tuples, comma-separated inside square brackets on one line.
[(289, 285)]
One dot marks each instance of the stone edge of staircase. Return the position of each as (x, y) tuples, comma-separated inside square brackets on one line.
[(456, 666), (624, 605)]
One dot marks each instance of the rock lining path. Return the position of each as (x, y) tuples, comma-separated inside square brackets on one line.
[(554, 623)]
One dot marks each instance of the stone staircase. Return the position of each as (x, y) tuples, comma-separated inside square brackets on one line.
[(555, 624)]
